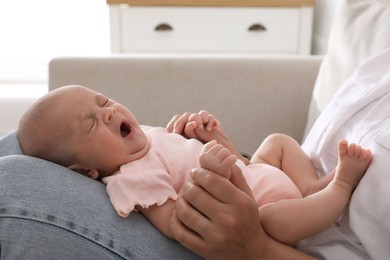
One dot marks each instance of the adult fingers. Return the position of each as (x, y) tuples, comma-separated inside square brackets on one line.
[(238, 180), (182, 219), (180, 123), (171, 124), (226, 191), (201, 199), (189, 130)]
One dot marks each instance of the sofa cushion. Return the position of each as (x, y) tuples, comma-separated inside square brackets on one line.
[(360, 29)]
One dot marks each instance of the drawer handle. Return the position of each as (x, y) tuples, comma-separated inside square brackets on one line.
[(257, 27), (163, 27)]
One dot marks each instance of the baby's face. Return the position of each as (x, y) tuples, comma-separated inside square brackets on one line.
[(104, 133)]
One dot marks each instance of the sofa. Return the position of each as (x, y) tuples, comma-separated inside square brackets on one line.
[(241, 91), (71, 215)]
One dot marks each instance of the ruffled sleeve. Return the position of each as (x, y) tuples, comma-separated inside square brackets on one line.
[(145, 188)]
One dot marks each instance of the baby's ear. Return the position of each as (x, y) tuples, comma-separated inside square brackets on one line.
[(91, 173)]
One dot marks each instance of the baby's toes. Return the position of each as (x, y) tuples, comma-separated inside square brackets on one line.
[(351, 150), (365, 155), (358, 151), (343, 148)]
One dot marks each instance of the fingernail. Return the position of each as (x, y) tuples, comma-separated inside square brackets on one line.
[(192, 173)]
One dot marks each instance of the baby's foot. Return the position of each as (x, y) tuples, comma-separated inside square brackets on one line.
[(216, 158), (352, 165)]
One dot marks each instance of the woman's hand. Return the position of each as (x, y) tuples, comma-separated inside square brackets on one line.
[(219, 219)]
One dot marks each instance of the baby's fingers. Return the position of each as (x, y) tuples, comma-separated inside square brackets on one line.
[(208, 146), (171, 124), (209, 120), (216, 158)]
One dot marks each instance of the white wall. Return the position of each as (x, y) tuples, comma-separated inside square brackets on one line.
[(11, 109), (323, 18)]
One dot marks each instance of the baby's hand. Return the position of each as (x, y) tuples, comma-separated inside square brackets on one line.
[(196, 125), (204, 119), (216, 158)]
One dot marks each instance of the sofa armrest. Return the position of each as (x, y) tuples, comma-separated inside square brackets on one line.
[(252, 95)]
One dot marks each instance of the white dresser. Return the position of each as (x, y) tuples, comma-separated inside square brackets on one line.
[(273, 26)]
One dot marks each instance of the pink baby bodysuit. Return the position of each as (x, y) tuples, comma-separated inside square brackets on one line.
[(161, 174)]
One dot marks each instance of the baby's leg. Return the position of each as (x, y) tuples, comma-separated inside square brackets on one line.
[(216, 158), (292, 220), (283, 152)]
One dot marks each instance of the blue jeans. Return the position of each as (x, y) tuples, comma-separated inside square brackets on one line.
[(49, 212)]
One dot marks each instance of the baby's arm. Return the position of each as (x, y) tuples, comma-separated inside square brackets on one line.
[(213, 157), (204, 127), (160, 216)]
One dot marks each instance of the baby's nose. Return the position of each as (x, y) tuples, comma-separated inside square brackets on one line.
[(109, 112)]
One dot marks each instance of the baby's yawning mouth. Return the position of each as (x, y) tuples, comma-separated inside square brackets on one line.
[(125, 129)]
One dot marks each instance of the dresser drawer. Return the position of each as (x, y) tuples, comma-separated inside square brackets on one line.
[(211, 29)]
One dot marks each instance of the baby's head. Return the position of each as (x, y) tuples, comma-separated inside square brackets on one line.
[(83, 130)]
